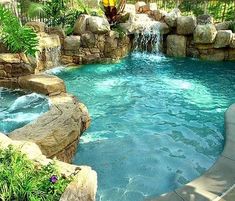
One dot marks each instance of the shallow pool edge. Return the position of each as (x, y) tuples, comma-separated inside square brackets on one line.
[(217, 183)]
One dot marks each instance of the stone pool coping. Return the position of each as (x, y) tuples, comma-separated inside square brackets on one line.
[(218, 183)]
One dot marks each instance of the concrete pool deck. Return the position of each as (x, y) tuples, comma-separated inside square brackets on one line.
[(218, 183)]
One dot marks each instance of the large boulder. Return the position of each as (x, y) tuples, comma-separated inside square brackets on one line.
[(152, 6), (213, 54), (72, 43), (223, 38), (80, 25), (130, 8), (57, 31), (158, 14), (232, 42), (83, 187), (176, 45), (48, 41), (171, 17), (98, 25), (205, 33), (223, 25), (231, 54), (138, 5), (36, 26), (57, 131), (205, 19), (186, 25), (88, 40)]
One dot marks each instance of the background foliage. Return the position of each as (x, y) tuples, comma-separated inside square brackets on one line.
[(17, 38)]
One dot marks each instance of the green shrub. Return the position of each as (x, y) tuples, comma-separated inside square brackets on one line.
[(17, 38), (117, 28), (21, 179)]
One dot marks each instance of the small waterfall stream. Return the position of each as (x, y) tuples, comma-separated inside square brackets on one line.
[(48, 58), (54, 55), (148, 37)]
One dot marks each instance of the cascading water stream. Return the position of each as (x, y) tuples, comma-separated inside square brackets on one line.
[(148, 36)]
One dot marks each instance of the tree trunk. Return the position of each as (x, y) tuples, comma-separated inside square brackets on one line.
[(224, 11), (206, 7)]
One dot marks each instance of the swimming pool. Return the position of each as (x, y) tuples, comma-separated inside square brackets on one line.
[(157, 122), (18, 108)]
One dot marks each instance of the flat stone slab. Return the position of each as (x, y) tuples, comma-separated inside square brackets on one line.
[(13, 58), (41, 83)]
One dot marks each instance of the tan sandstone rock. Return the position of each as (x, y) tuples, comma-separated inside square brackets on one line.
[(152, 6), (98, 25), (10, 58), (138, 5), (48, 41), (176, 45), (56, 132), (159, 14), (80, 25), (83, 188), (57, 31), (72, 43), (231, 54), (186, 25), (223, 38), (205, 33), (213, 54), (223, 25), (45, 84), (205, 19), (232, 42), (171, 17), (88, 40), (36, 26)]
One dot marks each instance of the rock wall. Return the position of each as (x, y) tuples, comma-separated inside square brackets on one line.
[(93, 42), (13, 66), (185, 35)]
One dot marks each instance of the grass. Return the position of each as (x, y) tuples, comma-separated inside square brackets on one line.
[(21, 179)]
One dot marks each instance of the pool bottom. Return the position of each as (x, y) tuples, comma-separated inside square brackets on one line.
[(157, 122)]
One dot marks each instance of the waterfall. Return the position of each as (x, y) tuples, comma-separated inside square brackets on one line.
[(53, 56), (48, 58), (148, 36)]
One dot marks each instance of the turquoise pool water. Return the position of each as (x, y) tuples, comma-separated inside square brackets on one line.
[(157, 122), (18, 108)]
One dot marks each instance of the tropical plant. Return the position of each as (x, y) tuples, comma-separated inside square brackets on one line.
[(21, 179), (17, 38)]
